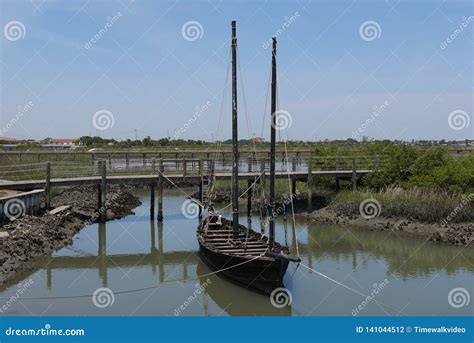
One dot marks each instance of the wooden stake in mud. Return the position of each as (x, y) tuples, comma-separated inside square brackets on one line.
[(103, 191), (249, 197), (309, 184), (201, 186), (160, 192), (47, 189), (354, 175), (152, 192)]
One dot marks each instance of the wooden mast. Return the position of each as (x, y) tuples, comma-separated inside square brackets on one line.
[(272, 147), (235, 149)]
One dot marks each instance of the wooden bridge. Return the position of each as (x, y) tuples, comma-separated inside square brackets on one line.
[(157, 173)]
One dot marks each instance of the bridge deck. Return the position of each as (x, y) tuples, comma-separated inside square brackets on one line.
[(147, 179)]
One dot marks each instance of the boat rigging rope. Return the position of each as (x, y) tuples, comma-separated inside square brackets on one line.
[(352, 289), (143, 288), (198, 201), (289, 179)]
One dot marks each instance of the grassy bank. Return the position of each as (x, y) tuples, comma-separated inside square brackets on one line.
[(415, 204)]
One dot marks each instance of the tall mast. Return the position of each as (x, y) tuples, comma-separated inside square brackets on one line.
[(272, 146), (235, 149)]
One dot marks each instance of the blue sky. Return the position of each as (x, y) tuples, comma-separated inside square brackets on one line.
[(334, 79)]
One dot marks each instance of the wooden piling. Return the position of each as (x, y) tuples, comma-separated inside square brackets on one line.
[(184, 169), (309, 183), (152, 201), (201, 187), (103, 188), (160, 191), (262, 187), (354, 175), (47, 188)]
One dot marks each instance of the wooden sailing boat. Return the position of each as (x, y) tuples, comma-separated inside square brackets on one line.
[(243, 255)]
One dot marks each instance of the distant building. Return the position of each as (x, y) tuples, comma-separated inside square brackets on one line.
[(258, 139), (7, 139), (63, 141), (60, 143)]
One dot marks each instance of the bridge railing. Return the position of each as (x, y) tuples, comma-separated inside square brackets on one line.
[(185, 167), (371, 162)]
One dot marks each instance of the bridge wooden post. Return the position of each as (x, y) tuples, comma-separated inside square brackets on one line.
[(354, 175), (201, 186), (126, 161), (309, 183), (103, 191), (152, 192), (47, 188), (144, 160), (184, 169), (110, 161), (293, 186), (152, 201), (160, 191), (262, 187)]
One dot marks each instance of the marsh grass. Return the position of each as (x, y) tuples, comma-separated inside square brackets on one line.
[(417, 204)]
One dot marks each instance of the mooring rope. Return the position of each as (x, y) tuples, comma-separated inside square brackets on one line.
[(144, 288), (352, 289)]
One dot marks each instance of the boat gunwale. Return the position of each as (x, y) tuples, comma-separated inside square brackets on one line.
[(214, 249)]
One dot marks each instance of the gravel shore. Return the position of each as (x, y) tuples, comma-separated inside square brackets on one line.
[(29, 237)]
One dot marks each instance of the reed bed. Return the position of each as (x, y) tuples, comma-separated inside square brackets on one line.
[(417, 204)]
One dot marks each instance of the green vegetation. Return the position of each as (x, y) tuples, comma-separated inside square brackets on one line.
[(434, 169), (426, 185), (417, 204)]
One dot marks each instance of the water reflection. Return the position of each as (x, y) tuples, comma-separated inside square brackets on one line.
[(135, 252)]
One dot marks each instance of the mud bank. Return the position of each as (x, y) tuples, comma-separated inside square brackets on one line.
[(461, 234), (26, 238)]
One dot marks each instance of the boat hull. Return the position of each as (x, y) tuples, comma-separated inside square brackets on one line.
[(261, 274)]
